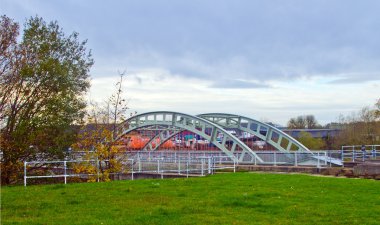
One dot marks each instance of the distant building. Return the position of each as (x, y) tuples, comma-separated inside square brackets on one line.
[(315, 133)]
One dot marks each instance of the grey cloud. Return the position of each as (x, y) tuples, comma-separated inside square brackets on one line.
[(260, 40), (357, 78), (138, 79), (238, 84)]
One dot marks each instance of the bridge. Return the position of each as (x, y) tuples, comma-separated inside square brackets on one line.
[(219, 141), (223, 132)]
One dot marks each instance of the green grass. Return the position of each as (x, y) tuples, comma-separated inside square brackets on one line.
[(240, 198)]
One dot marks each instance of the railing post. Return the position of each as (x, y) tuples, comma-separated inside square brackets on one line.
[(202, 166), (25, 173), (179, 166), (325, 158), (132, 168), (318, 162), (295, 159), (274, 159), (353, 155), (187, 169), (158, 165), (364, 154), (235, 166), (209, 165), (139, 164), (64, 165), (331, 159), (97, 168)]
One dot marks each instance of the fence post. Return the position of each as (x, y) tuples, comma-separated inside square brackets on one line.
[(64, 165), (202, 166), (97, 168), (295, 159), (318, 163), (187, 169), (179, 165), (235, 166), (274, 159), (209, 165), (364, 154), (330, 157), (132, 168), (158, 165), (325, 158), (25, 173)]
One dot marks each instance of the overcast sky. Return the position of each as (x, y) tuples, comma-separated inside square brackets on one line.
[(269, 60)]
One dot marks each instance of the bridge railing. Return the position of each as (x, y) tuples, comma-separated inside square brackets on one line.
[(356, 153), (275, 158), (317, 158)]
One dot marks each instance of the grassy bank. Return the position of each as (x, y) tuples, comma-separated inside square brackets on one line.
[(241, 198)]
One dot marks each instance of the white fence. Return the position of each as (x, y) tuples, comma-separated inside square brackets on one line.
[(164, 163), (360, 152), (181, 166), (275, 158), (61, 169)]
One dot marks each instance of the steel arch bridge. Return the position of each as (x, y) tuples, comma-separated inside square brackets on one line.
[(210, 126)]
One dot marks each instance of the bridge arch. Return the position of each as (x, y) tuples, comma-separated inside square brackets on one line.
[(270, 134), (277, 138), (204, 128), (161, 138)]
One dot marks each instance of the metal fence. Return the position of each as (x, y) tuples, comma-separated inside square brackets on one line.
[(164, 163), (164, 166), (356, 153), (316, 158), (64, 169)]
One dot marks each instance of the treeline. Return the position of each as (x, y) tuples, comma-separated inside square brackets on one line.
[(360, 128)]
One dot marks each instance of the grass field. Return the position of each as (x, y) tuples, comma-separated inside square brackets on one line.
[(240, 198)]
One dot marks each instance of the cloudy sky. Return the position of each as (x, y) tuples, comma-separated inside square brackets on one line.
[(268, 59)]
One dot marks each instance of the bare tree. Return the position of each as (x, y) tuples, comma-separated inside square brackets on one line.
[(118, 103), (377, 109), (359, 128), (303, 122), (99, 132), (311, 122)]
